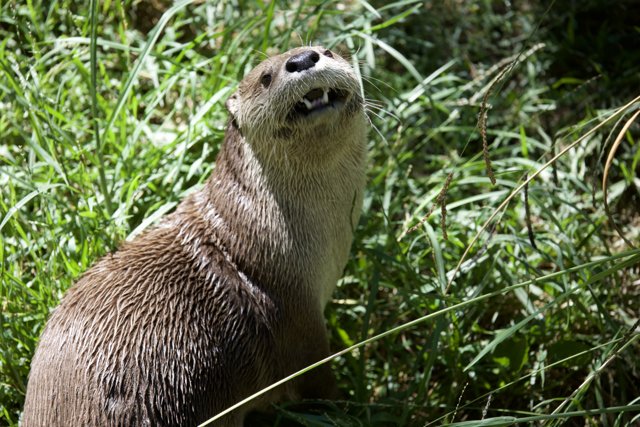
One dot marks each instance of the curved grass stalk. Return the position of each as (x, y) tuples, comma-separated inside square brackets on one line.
[(605, 175)]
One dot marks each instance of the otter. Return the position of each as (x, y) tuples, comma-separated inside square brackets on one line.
[(225, 295)]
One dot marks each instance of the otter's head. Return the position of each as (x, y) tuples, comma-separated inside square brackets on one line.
[(305, 100)]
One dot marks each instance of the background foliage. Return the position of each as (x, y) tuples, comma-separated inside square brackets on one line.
[(101, 135)]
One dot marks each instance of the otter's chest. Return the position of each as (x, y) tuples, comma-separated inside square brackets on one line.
[(318, 240)]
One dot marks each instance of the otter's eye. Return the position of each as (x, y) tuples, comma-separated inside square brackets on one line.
[(265, 80), (328, 53)]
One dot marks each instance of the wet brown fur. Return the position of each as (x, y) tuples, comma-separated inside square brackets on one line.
[(226, 295)]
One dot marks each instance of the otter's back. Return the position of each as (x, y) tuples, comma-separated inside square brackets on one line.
[(155, 334)]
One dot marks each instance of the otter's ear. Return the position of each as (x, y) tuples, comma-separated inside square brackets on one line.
[(232, 105)]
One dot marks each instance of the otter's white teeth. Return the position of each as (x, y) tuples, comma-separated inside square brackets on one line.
[(317, 102), (325, 97), (308, 103)]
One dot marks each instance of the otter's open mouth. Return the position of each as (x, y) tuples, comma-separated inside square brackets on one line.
[(320, 99)]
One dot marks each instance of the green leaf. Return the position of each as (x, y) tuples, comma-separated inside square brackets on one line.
[(568, 348), (512, 353)]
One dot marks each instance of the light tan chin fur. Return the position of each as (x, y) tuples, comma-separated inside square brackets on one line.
[(226, 295)]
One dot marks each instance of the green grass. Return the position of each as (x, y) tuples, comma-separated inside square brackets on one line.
[(463, 315)]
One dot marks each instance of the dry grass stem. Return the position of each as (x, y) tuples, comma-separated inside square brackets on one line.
[(527, 215), (441, 201), (605, 176)]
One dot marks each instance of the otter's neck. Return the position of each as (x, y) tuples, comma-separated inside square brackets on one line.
[(289, 232)]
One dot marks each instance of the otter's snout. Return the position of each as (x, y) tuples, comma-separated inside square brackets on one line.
[(302, 61)]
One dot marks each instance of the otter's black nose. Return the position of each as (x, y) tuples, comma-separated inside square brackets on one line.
[(302, 61)]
